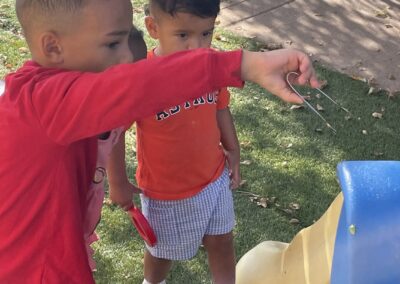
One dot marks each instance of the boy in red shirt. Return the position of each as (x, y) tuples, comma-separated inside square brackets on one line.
[(184, 173), (78, 85)]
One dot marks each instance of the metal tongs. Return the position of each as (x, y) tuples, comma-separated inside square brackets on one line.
[(310, 106)]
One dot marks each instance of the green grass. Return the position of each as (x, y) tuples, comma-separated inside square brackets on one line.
[(288, 159)]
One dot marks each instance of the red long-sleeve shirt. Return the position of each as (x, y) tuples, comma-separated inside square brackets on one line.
[(49, 119)]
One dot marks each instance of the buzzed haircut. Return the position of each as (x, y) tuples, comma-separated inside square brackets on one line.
[(31, 11), (199, 8)]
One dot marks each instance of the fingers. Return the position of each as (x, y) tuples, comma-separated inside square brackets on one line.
[(307, 72), (126, 207), (136, 190), (289, 96), (234, 179)]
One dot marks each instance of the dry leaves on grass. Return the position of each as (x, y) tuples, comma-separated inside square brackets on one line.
[(294, 107), (245, 144), (221, 38), (377, 115), (271, 46), (320, 108), (246, 162), (270, 202)]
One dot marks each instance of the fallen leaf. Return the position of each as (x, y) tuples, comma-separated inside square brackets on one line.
[(242, 182), (107, 201), (371, 91), (320, 108), (245, 162), (319, 130), (294, 221), (318, 96), (263, 202), (377, 115), (23, 49), (253, 199), (364, 132), (221, 38), (347, 117), (323, 83), (378, 154), (358, 78), (296, 107), (294, 206), (245, 144), (382, 13), (290, 145)]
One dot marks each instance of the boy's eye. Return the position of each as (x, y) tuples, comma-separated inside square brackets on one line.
[(205, 34), (182, 35), (113, 45)]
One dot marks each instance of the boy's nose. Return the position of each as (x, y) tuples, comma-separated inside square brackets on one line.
[(127, 56), (195, 43)]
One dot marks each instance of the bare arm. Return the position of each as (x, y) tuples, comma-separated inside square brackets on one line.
[(230, 143), (121, 190)]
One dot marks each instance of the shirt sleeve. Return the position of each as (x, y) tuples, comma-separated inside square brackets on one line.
[(73, 105), (223, 100)]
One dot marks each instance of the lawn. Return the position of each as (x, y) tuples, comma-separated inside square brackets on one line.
[(288, 157)]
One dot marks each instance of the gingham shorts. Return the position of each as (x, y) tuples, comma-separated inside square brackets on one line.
[(180, 225)]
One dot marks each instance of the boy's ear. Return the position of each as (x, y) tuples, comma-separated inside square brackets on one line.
[(51, 48), (151, 26)]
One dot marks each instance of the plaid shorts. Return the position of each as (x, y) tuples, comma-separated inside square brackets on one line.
[(180, 225)]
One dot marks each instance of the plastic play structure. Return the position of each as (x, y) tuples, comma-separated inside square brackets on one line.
[(356, 241)]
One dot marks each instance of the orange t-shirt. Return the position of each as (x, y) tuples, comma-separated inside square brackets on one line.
[(178, 150)]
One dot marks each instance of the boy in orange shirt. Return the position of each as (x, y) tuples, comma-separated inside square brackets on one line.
[(188, 157)]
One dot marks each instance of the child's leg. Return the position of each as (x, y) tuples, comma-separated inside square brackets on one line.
[(180, 225), (155, 269), (218, 237), (221, 257)]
